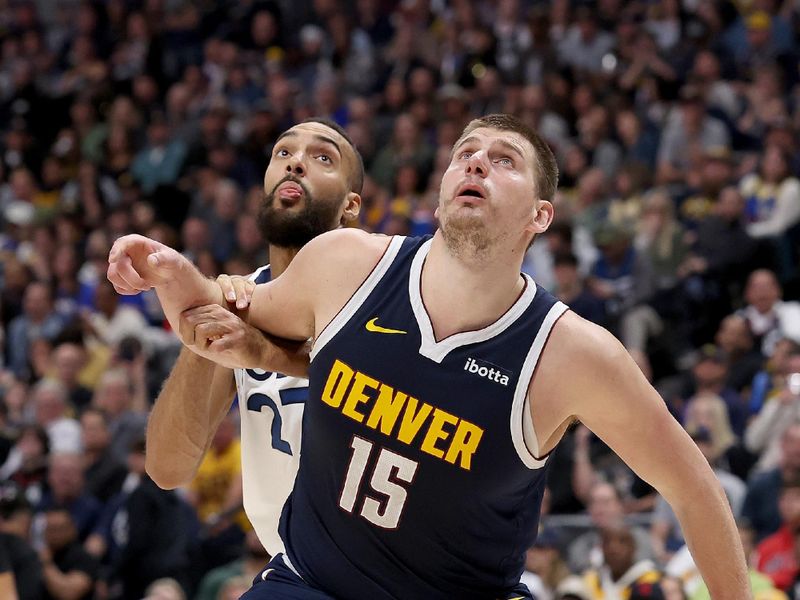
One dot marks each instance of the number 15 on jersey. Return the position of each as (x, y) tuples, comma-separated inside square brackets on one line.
[(390, 472)]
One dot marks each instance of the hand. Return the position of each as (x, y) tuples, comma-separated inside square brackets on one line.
[(137, 264), (218, 335), (237, 289)]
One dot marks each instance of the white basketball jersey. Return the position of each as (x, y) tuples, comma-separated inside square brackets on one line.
[(271, 411)]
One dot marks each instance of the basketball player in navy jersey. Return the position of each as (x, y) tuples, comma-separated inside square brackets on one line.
[(440, 380), (316, 191)]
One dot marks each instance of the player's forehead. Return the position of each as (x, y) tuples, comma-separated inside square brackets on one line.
[(487, 136), (317, 132)]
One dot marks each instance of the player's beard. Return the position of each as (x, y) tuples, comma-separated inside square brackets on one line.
[(465, 235), (294, 229)]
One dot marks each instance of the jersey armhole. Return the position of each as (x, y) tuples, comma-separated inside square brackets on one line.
[(359, 296), (523, 434)]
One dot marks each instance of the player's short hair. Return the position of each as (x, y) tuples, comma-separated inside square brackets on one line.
[(356, 175), (545, 166)]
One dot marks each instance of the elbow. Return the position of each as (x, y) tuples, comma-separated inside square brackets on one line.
[(165, 477)]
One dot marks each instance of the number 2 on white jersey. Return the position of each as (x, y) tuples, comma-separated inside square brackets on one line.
[(389, 469)]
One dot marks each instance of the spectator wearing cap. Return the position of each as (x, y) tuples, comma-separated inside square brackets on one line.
[(708, 177), (545, 568), (734, 338), (688, 133), (709, 376), (775, 555), (621, 575), (69, 571), (758, 38), (17, 556)]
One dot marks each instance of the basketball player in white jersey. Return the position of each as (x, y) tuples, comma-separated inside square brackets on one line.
[(319, 176), (494, 198)]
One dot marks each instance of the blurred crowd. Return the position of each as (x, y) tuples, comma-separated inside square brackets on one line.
[(675, 124)]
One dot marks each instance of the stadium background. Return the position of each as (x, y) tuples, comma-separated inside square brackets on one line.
[(675, 125)]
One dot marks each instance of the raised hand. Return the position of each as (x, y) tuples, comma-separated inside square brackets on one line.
[(137, 264)]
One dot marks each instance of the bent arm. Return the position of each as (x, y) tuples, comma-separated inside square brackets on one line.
[(609, 394), (65, 586), (194, 400)]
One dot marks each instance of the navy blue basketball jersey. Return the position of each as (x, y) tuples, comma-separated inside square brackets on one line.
[(420, 474)]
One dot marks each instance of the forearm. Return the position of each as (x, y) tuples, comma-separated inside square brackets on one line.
[(189, 289), (7, 587), (65, 586), (184, 419), (713, 540)]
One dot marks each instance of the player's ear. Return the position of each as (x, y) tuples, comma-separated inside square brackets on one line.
[(541, 217), (352, 206)]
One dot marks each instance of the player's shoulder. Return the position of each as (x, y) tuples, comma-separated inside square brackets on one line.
[(344, 247), (578, 342)]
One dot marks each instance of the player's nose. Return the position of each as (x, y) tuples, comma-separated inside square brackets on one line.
[(477, 164), (296, 165)]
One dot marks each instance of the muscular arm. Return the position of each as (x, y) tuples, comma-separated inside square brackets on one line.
[(194, 400), (609, 394)]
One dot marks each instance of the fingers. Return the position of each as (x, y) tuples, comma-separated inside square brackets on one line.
[(198, 324), (237, 289), (125, 279), (244, 292), (227, 288)]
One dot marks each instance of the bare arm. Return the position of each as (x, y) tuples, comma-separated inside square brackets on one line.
[(194, 400), (7, 587), (609, 394), (65, 586)]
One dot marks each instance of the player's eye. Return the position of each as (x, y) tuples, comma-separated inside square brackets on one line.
[(505, 161), (465, 154), (325, 158), (282, 152)]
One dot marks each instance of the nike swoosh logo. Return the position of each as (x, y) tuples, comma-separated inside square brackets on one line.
[(265, 573), (371, 326)]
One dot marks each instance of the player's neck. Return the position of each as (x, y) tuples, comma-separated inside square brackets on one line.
[(279, 258), (483, 291)]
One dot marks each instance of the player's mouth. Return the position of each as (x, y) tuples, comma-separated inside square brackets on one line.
[(471, 193), (289, 193)]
